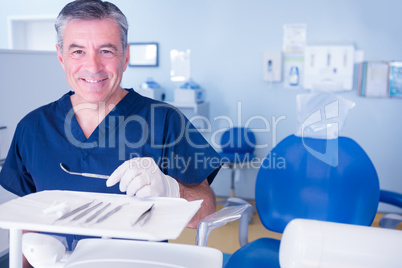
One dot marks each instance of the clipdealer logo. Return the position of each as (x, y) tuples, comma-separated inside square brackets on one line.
[(115, 131), (326, 120)]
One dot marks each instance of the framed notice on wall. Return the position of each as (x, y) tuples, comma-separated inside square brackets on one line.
[(144, 55), (380, 79), (395, 79), (373, 80)]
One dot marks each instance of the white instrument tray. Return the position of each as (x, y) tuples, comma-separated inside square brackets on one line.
[(168, 219)]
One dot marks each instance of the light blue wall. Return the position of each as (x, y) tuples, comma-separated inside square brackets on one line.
[(227, 39)]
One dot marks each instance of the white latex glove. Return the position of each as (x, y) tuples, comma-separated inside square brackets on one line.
[(142, 177)]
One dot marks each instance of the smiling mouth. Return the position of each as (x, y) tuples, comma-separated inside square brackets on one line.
[(93, 81)]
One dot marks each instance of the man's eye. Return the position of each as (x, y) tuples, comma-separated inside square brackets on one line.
[(104, 51), (78, 52)]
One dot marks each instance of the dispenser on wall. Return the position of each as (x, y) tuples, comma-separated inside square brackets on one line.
[(328, 67)]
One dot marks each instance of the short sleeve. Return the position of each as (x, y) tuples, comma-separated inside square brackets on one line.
[(14, 176), (187, 154)]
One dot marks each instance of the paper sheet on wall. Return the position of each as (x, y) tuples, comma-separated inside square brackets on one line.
[(180, 65), (294, 38), (377, 79)]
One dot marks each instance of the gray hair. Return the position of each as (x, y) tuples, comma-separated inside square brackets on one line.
[(90, 10)]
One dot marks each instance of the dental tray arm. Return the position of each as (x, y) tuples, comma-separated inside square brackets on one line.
[(390, 220), (391, 198), (220, 218)]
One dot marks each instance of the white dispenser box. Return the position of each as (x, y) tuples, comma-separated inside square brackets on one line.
[(272, 66), (186, 95), (329, 68), (153, 93), (190, 92), (152, 90)]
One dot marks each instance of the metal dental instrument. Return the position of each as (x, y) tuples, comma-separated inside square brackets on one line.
[(110, 213), (91, 175), (144, 217), (85, 212), (97, 213), (72, 212)]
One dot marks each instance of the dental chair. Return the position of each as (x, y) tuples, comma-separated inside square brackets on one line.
[(326, 180), (238, 144)]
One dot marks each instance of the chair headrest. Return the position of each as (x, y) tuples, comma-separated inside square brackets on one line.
[(238, 140), (294, 183)]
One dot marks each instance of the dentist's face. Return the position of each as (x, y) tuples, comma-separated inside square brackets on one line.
[(93, 59)]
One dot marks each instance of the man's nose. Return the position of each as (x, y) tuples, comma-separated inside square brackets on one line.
[(93, 63)]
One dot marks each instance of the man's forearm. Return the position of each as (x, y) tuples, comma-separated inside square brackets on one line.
[(201, 191)]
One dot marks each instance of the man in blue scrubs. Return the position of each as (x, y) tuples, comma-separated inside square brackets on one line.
[(149, 148)]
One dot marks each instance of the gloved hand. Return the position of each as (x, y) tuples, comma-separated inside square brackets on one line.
[(142, 177)]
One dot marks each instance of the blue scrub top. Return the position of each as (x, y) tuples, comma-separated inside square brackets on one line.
[(136, 127)]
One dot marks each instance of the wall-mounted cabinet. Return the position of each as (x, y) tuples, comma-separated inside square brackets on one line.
[(32, 33)]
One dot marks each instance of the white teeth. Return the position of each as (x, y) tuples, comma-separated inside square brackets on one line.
[(92, 81)]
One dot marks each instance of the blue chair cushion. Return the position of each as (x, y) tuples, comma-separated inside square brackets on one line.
[(308, 187), (238, 140), (263, 252)]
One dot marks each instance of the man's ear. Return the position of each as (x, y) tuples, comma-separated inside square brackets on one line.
[(60, 56), (127, 57)]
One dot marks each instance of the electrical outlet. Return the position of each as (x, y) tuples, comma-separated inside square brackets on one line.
[(272, 66)]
